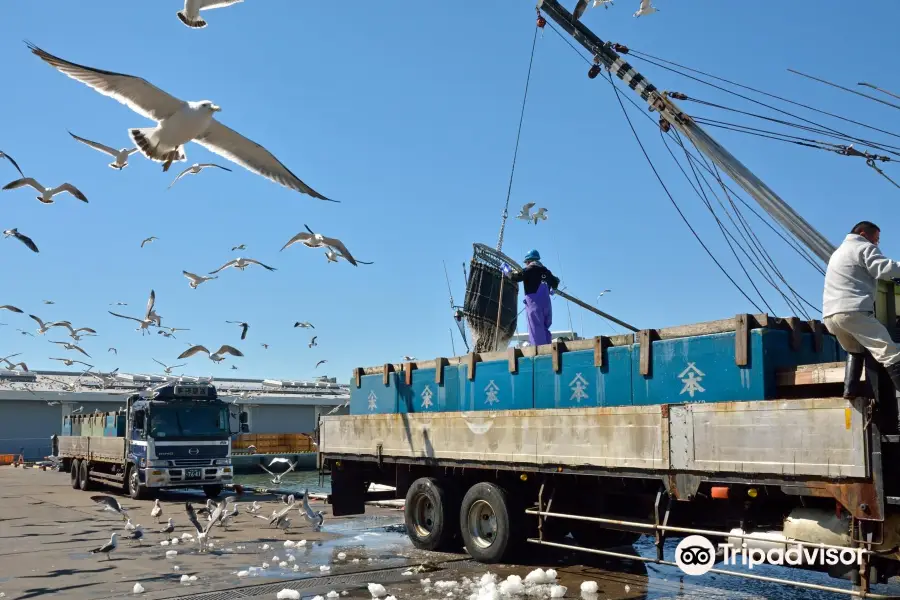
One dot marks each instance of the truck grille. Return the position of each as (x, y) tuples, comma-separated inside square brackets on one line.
[(190, 462)]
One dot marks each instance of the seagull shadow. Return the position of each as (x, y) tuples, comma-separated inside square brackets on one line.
[(67, 572), (46, 591)]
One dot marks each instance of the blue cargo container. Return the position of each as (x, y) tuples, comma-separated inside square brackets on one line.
[(374, 397), (581, 384), (495, 388), (424, 395)]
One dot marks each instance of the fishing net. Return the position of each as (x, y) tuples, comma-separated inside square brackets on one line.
[(486, 289)]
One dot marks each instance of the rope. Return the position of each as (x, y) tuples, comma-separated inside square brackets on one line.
[(518, 137)]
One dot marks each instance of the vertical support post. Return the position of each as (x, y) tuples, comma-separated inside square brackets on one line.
[(742, 340)]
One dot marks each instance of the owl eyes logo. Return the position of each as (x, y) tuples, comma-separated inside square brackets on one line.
[(695, 555)]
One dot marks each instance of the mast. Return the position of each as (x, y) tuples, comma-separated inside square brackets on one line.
[(603, 54)]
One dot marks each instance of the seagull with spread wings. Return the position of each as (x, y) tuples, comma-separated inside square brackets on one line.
[(178, 122), (216, 356), (244, 327), (167, 369), (321, 362), (29, 243), (195, 169), (69, 362), (120, 156), (242, 263), (46, 194), (69, 346), (14, 163), (11, 308), (194, 280), (190, 16), (150, 317), (148, 240), (45, 327), (525, 213), (317, 240)]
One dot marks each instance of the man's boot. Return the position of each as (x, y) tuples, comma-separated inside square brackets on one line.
[(853, 387)]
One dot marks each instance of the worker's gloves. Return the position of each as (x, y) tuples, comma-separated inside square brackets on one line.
[(506, 269)]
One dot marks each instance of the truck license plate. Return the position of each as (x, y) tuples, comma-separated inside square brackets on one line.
[(193, 474)]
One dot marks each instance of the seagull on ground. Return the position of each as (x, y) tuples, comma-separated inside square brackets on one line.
[(190, 15), (312, 342), (156, 511), (11, 308), (69, 346), (150, 317), (129, 526), (194, 169), (69, 362), (14, 163), (525, 213), (195, 280), (46, 194), (168, 371), (108, 547), (302, 324), (178, 122), (315, 518), (120, 156), (540, 215), (239, 247), (148, 240), (243, 326), (242, 263), (44, 328), (216, 356), (168, 528), (276, 478), (109, 503), (14, 232), (645, 9), (321, 362), (317, 240)]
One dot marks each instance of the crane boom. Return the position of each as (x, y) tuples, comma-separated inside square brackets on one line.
[(604, 54)]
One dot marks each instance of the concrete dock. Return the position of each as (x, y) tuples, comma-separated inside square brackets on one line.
[(48, 529)]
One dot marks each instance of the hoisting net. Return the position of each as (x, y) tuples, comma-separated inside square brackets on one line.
[(485, 290)]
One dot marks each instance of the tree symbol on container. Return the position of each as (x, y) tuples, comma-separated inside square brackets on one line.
[(426, 397), (373, 401), (578, 387), (491, 393), (691, 377)]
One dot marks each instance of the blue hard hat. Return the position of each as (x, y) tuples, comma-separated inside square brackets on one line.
[(532, 255)]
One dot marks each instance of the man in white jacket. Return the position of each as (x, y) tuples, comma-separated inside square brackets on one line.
[(848, 304)]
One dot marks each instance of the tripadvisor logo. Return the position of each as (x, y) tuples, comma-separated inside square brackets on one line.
[(695, 555)]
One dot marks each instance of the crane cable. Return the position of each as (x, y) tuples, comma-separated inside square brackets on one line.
[(512, 171)]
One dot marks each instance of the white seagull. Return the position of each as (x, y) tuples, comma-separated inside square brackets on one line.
[(195, 280), (203, 530), (216, 356), (69, 346), (168, 371), (169, 528), (109, 503), (69, 362), (525, 213), (315, 518), (196, 168), (45, 327), (540, 215), (108, 547), (120, 156), (190, 16), (242, 263), (178, 122), (46, 194), (157, 509), (14, 232), (645, 9), (317, 240), (150, 317), (276, 478)]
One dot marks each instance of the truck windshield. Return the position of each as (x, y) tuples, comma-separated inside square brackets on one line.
[(185, 421)]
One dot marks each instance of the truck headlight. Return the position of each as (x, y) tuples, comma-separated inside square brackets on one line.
[(222, 462)]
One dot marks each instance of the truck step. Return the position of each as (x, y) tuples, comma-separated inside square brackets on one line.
[(106, 477)]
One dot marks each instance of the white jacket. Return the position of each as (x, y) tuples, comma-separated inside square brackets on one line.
[(850, 279)]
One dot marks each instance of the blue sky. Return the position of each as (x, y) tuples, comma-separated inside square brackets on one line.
[(407, 114)]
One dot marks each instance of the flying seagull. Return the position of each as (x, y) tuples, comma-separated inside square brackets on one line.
[(190, 16), (409, 358), (540, 215), (265, 346), (195, 169), (178, 122), (49, 302), (120, 156), (108, 547), (276, 478), (602, 293), (69, 362), (114, 351), (29, 243), (203, 530), (45, 327), (645, 9), (241, 263), (304, 325), (196, 280), (14, 163), (69, 346), (215, 356), (525, 213), (148, 240), (23, 332), (321, 362), (12, 366), (317, 240), (73, 333), (46, 194), (332, 255), (312, 342), (11, 308), (315, 518), (244, 327), (239, 247), (109, 503), (150, 317), (167, 370)]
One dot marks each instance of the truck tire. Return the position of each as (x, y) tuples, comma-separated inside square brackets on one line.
[(489, 523), (431, 513), (84, 480), (212, 491), (133, 484), (75, 474)]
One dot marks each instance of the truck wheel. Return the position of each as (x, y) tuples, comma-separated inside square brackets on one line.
[(84, 480), (431, 515), (489, 529), (135, 489), (212, 491), (75, 474)]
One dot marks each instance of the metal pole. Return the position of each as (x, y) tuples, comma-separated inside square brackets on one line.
[(603, 53), (594, 310)]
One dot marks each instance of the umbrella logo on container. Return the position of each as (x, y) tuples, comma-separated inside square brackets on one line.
[(695, 555)]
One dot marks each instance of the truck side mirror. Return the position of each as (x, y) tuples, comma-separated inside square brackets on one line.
[(245, 428), (243, 419)]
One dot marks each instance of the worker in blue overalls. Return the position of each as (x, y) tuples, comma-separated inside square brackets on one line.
[(539, 285)]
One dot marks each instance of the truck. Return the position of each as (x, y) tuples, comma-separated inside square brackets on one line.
[(175, 435), (736, 430)]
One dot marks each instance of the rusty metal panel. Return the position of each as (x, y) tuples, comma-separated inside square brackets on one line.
[(107, 448), (625, 437), (816, 436)]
